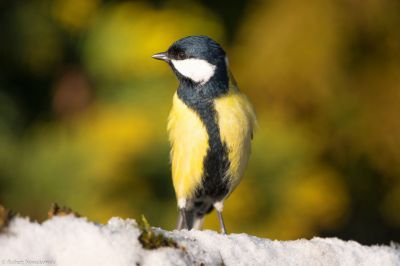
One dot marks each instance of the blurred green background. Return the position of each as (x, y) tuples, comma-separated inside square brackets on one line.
[(83, 111)]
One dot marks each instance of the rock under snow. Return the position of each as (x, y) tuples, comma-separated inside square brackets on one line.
[(70, 240)]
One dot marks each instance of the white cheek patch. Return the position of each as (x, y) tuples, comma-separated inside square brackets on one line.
[(198, 70)]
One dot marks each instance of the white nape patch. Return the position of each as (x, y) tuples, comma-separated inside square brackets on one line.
[(226, 61), (198, 70)]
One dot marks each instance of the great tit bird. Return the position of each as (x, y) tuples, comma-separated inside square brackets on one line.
[(210, 129)]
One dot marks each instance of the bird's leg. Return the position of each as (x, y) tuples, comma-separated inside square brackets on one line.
[(179, 224), (221, 223), (219, 206), (182, 220)]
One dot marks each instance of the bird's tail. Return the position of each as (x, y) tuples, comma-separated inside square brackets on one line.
[(198, 222), (193, 220), (194, 216)]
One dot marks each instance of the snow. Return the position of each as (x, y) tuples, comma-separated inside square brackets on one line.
[(69, 240)]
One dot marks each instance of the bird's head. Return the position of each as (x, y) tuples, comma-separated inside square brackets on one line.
[(197, 59)]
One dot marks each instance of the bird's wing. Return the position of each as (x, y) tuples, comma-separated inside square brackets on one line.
[(245, 103), (236, 120)]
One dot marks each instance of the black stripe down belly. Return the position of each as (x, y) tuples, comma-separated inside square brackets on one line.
[(215, 183)]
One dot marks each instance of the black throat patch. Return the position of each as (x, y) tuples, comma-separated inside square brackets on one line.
[(215, 183)]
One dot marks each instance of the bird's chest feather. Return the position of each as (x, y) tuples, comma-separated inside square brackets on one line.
[(236, 121), (189, 144), (210, 145)]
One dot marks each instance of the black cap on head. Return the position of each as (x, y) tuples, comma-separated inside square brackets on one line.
[(199, 47), (197, 61)]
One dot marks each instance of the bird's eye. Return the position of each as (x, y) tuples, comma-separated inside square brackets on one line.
[(181, 55)]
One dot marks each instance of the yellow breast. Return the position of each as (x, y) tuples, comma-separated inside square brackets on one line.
[(236, 120), (189, 143)]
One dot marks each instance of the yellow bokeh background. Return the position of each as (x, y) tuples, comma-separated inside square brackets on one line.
[(83, 111)]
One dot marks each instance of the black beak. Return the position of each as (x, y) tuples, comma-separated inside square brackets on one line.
[(161, 56)]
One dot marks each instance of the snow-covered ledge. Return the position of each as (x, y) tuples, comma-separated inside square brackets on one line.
[(68, 240)]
